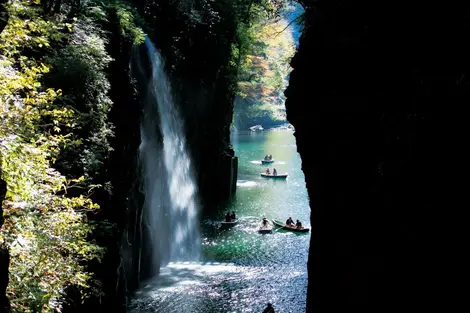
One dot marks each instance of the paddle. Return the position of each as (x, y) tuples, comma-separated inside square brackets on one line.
[(280, 227)]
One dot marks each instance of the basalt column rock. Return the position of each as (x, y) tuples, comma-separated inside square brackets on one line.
[(368, 97)]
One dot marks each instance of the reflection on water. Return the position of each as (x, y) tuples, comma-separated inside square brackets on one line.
[(253, 269)]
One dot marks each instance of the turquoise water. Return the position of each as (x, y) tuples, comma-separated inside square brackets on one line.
[(242, 270)]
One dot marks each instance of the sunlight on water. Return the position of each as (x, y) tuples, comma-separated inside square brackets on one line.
[(217, 287), (242, 270)]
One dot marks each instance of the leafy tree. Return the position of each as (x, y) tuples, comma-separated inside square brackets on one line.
[(263, 71), (48, 138)]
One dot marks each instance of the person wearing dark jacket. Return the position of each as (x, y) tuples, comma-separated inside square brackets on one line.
[(269, 309)]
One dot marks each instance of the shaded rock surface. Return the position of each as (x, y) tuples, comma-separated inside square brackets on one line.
[(368, 97)]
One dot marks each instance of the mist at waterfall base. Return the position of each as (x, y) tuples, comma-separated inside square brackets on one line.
[(169, 215)]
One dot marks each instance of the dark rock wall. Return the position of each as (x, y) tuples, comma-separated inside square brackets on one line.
[(197, 54), (121, 271), (121, 231), (372, 87)]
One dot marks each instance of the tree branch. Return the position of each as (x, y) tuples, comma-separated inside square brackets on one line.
[(290, 23)]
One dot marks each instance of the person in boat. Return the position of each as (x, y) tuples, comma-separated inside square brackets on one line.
[(269, 309), (290, 221), (227, 217), (265, 222), (270, 156), (274, 172), (298, 224), (233, 216), (267, 171), (266, 157)]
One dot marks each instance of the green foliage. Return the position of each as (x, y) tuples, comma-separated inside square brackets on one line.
[(78, 70), (265, 49), (46, 230), (129, 20), (27, 29)]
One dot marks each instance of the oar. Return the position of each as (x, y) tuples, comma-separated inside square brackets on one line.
[(280, 227)]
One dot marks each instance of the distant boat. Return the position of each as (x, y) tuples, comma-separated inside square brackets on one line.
[(291, 228), (256, 128), (229, 224), (278, 176), (264, 161)]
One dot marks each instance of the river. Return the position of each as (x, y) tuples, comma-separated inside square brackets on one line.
[(242, 270)]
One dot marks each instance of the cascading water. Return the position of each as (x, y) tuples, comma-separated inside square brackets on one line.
[(170, 206)]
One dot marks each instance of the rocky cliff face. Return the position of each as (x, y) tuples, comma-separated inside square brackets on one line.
[(195, 38), (201, 84), (367, 96), (202, 81)]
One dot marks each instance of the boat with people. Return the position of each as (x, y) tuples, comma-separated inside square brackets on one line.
[(291, 227), (265, 227), (230, 223), (230, 220), (278, 176), (264, 161), (268, 159)]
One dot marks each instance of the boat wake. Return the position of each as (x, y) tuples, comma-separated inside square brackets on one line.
[(246, 183)]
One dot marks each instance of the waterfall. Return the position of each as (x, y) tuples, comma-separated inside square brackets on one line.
[(170, 211)]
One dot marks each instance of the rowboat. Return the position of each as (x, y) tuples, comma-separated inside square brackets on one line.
[(291, 228), (265, 229), (278, 176), (229, 224), (264, 161)]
